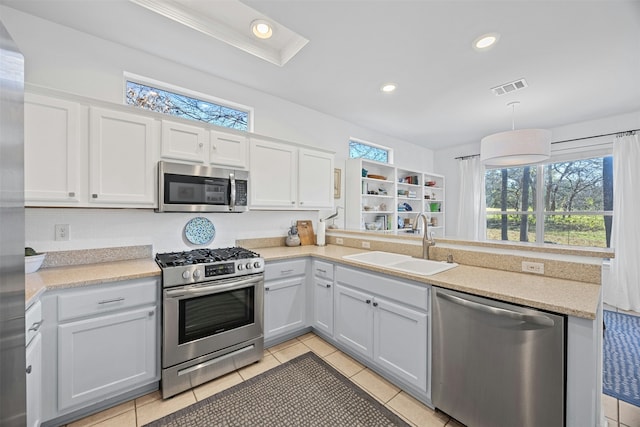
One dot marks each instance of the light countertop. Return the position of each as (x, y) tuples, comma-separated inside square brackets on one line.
[(88, 274), (569, 297)]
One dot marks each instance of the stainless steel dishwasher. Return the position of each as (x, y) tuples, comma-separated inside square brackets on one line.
[(496, 364)]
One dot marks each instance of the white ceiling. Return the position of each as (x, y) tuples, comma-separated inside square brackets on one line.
[(581, 59)]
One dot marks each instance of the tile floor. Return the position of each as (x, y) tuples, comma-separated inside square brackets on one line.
[(617, 412), (150, 407)]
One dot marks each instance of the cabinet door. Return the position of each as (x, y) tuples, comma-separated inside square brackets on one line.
[(99, 357), (273, 175), (283, 306), (228, 150), (51, 151), (400, 341), (121, 159), (354, 320), (315, 179), (323, 305), (183, 142), (34, 381)]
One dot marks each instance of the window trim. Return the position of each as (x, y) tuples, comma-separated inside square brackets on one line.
[(389, 150), (147, 81)]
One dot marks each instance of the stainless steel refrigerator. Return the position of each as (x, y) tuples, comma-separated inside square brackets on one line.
[(12, 344)]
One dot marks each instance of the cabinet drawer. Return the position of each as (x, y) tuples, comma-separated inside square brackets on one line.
[(323, 269), (285, 269), (102, 299), (32, 321), (397, 289)]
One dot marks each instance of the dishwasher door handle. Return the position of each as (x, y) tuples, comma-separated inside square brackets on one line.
[(539, 319)]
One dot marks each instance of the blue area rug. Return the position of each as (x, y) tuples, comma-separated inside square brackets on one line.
[(621, 366)]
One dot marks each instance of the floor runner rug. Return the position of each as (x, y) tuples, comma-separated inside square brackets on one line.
[(305, 391), (621, 365)]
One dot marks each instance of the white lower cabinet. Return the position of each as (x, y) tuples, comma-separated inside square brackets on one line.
[(322, 285), (385, 320), (33, 353), (102, 342), (284, 297), (106, 354)]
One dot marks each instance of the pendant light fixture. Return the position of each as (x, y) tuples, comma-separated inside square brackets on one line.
[(515, 147)]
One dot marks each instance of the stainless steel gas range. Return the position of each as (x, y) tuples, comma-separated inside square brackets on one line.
[(213, 305)]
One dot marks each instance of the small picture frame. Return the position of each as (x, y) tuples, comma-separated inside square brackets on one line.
[(337, 177)]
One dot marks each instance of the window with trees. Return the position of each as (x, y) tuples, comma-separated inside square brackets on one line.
[(177, 104), (568, 203), (366, 150)]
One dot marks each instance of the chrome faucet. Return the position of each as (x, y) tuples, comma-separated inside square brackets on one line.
[(427, 241)]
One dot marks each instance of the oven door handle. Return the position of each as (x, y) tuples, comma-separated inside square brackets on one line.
[(210, 289)]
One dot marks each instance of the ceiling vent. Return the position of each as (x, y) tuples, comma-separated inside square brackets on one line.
[(509, 87)]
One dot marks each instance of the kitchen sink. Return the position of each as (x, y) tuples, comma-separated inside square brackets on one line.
[(423, 267), (378, 258)]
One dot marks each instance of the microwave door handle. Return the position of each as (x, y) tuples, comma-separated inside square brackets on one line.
[(232, 202)]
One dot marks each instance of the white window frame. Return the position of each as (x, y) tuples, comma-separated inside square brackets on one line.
[(186, 92), (389, 150), (594, 150)]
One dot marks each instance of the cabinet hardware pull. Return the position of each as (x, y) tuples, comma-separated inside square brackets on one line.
[(35, 326), (328, 285), (368, 301), (321, 270), (200, 145), (286, 271), (72, 194), (29, 369), (214, 147), (151, 313), (375, 304), (109, 301), (266, 289), (95, 196), (293, 203)]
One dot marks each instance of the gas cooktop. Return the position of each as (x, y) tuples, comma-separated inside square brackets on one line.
[(203, 256), (202, 265)]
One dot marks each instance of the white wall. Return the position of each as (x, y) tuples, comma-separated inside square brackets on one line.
[(66, 60), (447, 165)]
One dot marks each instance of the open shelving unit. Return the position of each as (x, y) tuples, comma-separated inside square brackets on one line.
[(381, 193)]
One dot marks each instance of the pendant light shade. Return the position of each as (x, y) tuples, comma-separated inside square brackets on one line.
[(515, 147)]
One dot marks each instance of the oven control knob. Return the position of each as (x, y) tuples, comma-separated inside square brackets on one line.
[(196, 274), (186, 274), (256, 265), (240, 267), (248, 266)]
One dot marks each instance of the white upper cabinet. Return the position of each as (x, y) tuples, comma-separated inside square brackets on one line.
[(315, 179), (288, 177), (196, 144), (274, 175), (51, 151), (228, 150), (184, 142), (122, 162)]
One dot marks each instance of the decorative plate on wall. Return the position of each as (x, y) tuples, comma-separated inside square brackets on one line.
[(199, 231)]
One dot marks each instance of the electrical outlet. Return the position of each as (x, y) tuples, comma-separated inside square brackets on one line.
[(366, 245), (339, 241), (533, 267), (62, 232)]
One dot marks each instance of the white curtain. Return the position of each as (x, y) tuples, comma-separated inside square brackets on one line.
[(471, 202), (622, 290)]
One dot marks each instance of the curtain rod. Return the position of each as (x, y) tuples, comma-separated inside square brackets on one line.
[(621, 133)]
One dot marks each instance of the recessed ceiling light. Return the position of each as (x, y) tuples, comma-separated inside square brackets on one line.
[(388, 87), (261, 29), (485, 41)]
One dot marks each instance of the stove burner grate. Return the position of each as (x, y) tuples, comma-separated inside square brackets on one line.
[(203, 256)]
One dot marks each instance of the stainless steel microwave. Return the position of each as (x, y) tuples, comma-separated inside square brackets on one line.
[(194, 188)]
